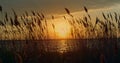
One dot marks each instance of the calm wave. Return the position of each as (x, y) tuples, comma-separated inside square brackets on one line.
[(64, 51)]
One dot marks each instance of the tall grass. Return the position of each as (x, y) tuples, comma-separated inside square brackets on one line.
[(36, 27)]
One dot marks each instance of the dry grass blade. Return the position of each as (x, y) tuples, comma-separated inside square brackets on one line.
[(67, 10), (97, 20), (111, 16), (42, 16), (6, 16), (26, 13), (104, 16), (116, 16), (33, 13), (85, 24), (119, 18), (89, 16), (106, 29), (52, 17), (15, 15), (64, 17), (39, 22), (85, 19), (53, 26), (38, 15), (11, 20), (1, 23), (108, 15), (0, 8), (86, 10), (15, 18)]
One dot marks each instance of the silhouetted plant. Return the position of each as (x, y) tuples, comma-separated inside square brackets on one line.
[(0, 8), (36, 27)]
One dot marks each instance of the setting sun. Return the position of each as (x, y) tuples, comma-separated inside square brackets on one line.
[(62, 30)]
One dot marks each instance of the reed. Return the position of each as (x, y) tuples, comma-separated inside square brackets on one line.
[(0, 8), (37, 29)]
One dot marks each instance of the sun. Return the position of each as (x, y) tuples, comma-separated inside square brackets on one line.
[(62, 30)]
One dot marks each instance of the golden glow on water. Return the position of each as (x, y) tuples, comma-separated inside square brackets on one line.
[(63, 47)]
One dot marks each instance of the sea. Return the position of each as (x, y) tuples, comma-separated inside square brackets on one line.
[(60, 51)]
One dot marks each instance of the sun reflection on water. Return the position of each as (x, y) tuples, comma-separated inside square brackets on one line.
[(59, 46), (63, 47)]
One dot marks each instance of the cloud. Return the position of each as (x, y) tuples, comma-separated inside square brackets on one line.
[(58, 5)]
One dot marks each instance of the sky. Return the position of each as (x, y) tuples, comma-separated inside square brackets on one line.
[(56, 6)]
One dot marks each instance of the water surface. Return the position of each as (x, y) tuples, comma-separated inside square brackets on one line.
[(61, 51)]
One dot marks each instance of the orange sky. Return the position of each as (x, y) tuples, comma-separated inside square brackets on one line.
[(55, 6)]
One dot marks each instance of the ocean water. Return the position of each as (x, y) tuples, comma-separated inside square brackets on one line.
[(60, 51)]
